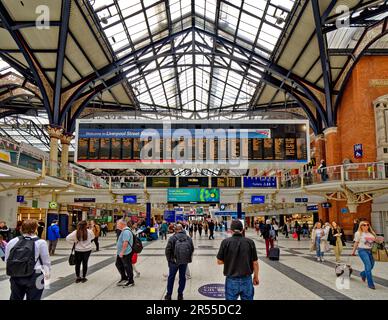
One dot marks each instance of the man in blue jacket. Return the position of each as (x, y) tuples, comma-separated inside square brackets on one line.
[(53, 236)]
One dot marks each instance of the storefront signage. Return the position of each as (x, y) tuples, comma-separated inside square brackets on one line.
[(358, 153), (313, 207), (213, 290), (84, 199), (301, 200), (20, 199), (193, 195), (259, 182)]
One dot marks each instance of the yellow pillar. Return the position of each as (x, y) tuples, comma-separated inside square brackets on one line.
[(55, 134), (65, 142)]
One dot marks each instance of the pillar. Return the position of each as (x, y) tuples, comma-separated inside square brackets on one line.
[(55, 134), (63, 221), (65, 142), (148, 214), (332, 147), (320, 152), (239, 210)]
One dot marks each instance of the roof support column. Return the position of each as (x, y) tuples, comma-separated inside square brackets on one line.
[(325, 63), (55, 134), (65, 142)]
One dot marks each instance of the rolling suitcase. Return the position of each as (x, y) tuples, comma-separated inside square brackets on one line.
[(274, 253)]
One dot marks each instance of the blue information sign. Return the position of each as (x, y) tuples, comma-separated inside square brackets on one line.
[(313, 207), (169, 216), (344, 210), (19, 198), (258, 199), (301, 200), (129, 199), (259, 182), (213, 290), (326, 205), (358, 151)]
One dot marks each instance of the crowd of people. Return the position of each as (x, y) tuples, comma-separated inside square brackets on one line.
[(237, 253)]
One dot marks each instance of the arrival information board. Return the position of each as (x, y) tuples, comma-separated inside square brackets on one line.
[(202, 144)]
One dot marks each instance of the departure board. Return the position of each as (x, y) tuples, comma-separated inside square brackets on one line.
[(226, 182), (192, 144)]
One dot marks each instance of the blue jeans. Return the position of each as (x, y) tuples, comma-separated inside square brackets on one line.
[(239, 287), (173, 269), (367, 258), (318, 245)]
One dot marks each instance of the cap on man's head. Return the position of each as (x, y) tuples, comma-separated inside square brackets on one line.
[(236, 225)]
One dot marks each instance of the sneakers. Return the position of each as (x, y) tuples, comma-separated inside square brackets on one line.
[(188, 277), (121, 283), (322, 260), (167, 297), (129, 284), (318, 259), (180, 296)]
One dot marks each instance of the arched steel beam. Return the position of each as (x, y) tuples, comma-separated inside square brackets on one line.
[(124, 62), (358, 52), (25, 50)]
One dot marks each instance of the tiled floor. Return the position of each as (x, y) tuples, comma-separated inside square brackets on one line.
[(296, 276)]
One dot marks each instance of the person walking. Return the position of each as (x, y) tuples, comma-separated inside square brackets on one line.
[(356, 224), (179, 253), (211, 229), (82, 239), (275, 227), (164, 230), (53, 236), (200, 228), (41, 226), (322, 170), (27, 279), (206, 228), (364, 239), (317, 242), (269, 236), (287, 228), (96, 230), (5, 231), (195, 229), (124, 255), (104, 228), (298, 229), (191, 229), (239, 257), (305, 229), (336, 238)]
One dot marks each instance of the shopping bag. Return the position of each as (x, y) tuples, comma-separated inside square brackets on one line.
[(313, 247), (134, 258), (380, 255), (295, 235)]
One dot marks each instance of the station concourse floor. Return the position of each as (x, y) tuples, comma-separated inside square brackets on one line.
[(297, 276)]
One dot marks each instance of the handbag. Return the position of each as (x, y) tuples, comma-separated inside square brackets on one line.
[(313, 247), (134, 258), (295, 235), (72, 256), (380, 255)]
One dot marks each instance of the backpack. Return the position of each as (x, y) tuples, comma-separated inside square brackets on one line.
[(183, 250), (137, 246), (272, 233), (21, 261)]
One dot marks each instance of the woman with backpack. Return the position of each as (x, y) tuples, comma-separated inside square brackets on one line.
[(269, 235), (82, 244), (27, 280), (336, 238)]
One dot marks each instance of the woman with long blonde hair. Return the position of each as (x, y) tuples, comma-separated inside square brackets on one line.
[(364, 239), (317, 241)]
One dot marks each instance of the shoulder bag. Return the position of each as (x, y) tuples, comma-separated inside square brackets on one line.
[(72, 256)]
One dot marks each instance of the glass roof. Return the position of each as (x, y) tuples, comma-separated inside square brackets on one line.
[(192, 71)]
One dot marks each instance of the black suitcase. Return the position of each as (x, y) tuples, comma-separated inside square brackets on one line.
[(274, 254)]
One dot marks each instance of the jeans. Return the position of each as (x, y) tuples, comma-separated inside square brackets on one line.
[(95, 240), (27, 286), (239, 287), (173, 269), (163, 234), (367, 258), (81, 257), (211, 234), (52, 246), (318, 245), (124, 266)]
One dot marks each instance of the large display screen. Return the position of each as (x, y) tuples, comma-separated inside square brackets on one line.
[(206, 144), (193, 195)]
